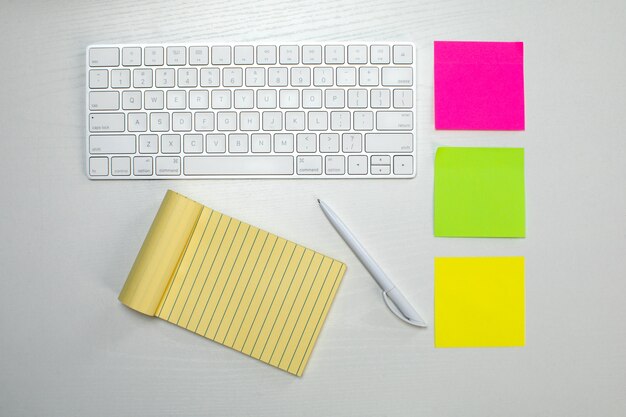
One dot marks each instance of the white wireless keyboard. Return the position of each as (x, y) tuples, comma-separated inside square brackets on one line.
[(309, 110)]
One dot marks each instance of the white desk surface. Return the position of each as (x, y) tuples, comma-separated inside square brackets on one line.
[(69, 348)]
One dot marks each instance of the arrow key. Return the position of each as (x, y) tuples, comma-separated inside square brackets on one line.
[(357, 164)]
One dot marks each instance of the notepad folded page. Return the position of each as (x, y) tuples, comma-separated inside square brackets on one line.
[(233, 283)]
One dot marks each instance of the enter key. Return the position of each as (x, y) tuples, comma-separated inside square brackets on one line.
[(394, 120)]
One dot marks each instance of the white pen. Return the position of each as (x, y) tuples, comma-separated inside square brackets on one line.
[(392, 296)]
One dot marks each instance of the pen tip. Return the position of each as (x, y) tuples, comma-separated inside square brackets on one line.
[(318, 201)]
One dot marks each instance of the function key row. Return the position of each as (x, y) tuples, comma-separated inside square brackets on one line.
[(246, 54)]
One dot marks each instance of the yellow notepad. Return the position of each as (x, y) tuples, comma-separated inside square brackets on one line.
[(233, 283)]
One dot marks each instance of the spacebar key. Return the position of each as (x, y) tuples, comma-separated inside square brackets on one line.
[(239, 165)]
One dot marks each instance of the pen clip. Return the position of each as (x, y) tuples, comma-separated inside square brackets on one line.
[(397, 312)]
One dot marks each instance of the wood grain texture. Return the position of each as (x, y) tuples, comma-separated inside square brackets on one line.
[(69, 348)]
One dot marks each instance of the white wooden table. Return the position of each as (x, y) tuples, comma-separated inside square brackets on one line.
[(69, 348)]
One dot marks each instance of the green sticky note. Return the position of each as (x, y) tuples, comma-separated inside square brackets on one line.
[(479, 192)]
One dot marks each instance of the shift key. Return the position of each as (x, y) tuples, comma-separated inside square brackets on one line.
[(394, 120), (106, 122)]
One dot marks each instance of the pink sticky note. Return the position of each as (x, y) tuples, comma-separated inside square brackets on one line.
[(479, 85)]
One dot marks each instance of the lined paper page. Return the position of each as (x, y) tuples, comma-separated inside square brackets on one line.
[(160, 253), (252, 291)]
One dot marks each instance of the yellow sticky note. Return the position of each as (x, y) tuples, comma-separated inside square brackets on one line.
[(479, 302), (233, 283)]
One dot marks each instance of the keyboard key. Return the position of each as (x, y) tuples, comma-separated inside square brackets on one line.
[(187, 77), (289, 99), (104, 100), (153, 55), (329, 142), (216, 143), (199, 99), (233, 77), (318, 120), (239, 165), (220, 99), (363, 120), (142, 165), (334, 54), (142, 78), (159, 122), (323, 76), (176, 99), (168, 165), (227, 121), (301, 76), (368, 76), (210, 77), (176, 55), (388, 142), (403, 164), (394, 120), (380, 160), (272, 120), (164, 77), (204, 121), (106, 122), (379, 54), (181, 122), (288, 54), (104, 57), (198, 55), (148, 143), (403, 98), (131, 57), (266, 99), (137, 122), (357, 164), (294, 120), (266, 54), (98, 79), (309, 165), (306, 142), (398, 76), (99, 166), (255, 77), (220, 55), (244, 55), (340, 120), (261, 142), (357, 54), (277, 77), (238, 143), (283, 142), (357, 98), (380, 98), (249, 121), (192, 143), (312, 54), (334, 98), (380, 169), (111, 144), (170, 143), (402, 54), (120, 165), (335, 165), (351, 142), (120, 78), (346, 76), (311, 99), (243, 99)]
